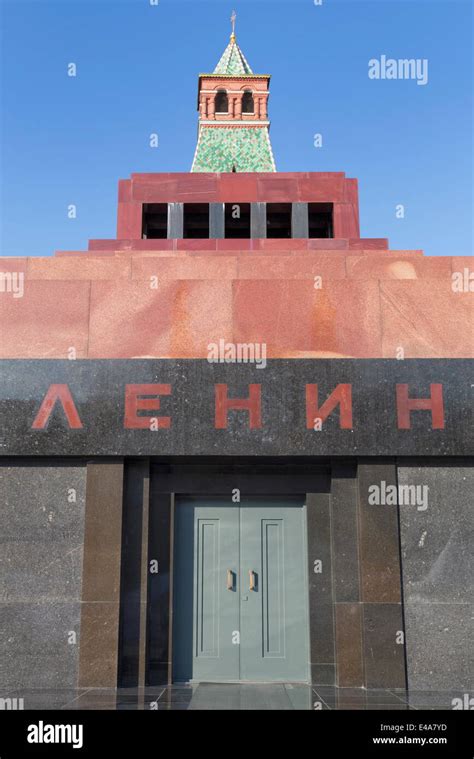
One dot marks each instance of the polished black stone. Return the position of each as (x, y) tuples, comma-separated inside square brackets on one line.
[(98, 390), (236, 697)]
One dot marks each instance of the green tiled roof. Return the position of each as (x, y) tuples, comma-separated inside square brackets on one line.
[(222, 149), (233, 62)]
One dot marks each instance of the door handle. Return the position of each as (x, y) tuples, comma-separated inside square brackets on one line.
[(252, 580), (230, 579)]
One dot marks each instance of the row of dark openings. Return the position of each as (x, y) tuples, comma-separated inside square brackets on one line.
[(221, 102), (237, 222)]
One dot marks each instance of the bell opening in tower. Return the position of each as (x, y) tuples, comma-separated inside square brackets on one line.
[(248, 105)]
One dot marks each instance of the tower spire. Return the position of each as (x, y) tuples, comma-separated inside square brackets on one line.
[(233, 116)]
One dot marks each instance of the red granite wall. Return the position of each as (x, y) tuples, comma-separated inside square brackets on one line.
[(344, 297), (238, 188)]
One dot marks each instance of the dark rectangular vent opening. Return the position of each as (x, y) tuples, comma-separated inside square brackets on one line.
[(279, 220), (237, 220), (155, 221), (196, 221), (320, 220)]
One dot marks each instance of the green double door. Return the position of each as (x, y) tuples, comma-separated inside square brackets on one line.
[(240, 597)]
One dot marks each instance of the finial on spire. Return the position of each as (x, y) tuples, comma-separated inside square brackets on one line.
[(233, 19)]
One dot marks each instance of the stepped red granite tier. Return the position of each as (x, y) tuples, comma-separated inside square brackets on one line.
[(318, 304), (319, 187), (105, 247), (343, 296)]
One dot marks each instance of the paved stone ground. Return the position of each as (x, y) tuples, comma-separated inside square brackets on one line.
[(234, 697)]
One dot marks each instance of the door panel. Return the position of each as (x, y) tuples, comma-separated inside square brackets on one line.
[(206, 609), (240, 575), (274, 615), (207, 601)]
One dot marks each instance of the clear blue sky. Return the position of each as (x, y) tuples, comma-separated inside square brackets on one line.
[(68, 140)]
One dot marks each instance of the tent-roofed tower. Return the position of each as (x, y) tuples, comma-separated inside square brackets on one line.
[(233, 116)]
